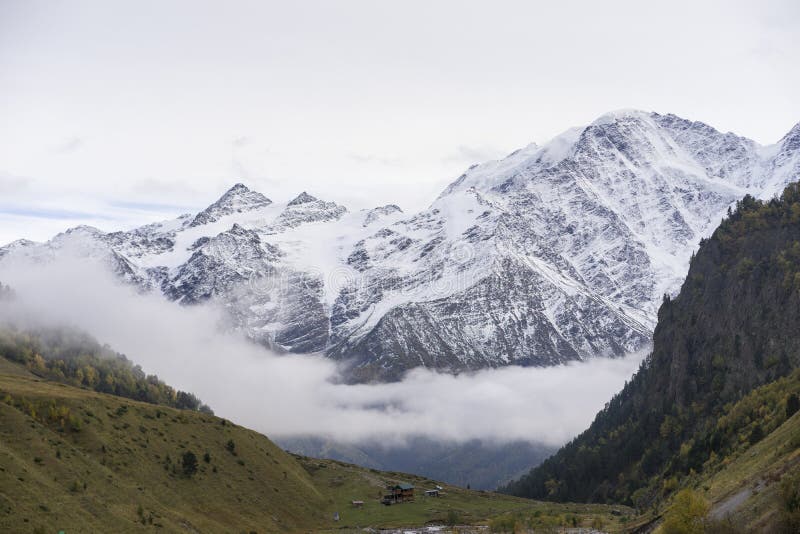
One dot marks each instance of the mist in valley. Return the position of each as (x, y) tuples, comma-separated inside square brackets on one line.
[(298, 399)]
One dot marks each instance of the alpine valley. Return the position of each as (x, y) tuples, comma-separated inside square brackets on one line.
[(555, 253)]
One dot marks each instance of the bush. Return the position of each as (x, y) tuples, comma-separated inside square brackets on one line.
[(504, 523), (189, 463), (687, 514), (756, 435), (792, 405), (790, 499), (453, 518)]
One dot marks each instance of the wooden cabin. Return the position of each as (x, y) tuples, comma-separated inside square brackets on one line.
[(399, 493)]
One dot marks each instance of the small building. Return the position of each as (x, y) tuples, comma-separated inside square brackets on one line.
[(358, 504), (399, 493), (432, 493)]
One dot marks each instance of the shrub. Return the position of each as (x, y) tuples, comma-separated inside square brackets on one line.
[(452, 518), (687, 514), (756, 435), (790, 499), (792, 405), (504, 523), (189, 463)]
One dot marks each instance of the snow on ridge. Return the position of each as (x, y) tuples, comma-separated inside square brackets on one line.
[(381, 213), (621, 114), (556, 252)]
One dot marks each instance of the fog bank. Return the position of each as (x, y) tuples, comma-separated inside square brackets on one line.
[(286, 395)]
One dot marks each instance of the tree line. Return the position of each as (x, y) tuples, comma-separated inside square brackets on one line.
[(75, 358)]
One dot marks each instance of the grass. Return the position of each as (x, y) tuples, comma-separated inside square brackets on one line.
[(76, 460), (344, 483), (121, 470)]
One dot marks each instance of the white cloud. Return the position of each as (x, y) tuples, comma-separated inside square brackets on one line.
[(67, 146), (10, 184), (296, 395), (241, 141), (470, 155)]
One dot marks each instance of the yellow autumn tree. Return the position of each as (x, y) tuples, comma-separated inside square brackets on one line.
[(687, 515)]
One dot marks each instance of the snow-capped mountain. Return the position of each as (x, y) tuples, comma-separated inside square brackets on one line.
[(557, 252)]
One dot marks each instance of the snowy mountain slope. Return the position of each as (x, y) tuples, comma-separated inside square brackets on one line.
[(376, 214), (17, 245), (554, 253)]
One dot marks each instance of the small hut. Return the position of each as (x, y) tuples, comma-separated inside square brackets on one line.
[(399, 493)]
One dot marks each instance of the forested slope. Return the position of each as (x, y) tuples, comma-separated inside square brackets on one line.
[(733, 327)]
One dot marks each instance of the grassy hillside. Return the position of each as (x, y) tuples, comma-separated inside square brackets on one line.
[(77, 460)]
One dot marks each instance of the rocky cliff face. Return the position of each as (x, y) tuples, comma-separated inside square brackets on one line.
[(555, 253)]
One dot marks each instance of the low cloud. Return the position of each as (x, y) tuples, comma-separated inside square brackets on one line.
[(11, 184), (69, 145), (474, 154), (241, 141), (286, 395)]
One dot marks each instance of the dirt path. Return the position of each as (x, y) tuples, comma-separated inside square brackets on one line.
[(731, 504)]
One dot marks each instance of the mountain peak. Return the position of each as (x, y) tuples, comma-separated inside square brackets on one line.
[(380, 212), (302, 198), (241, 191), (306, 208), (621, 114), (16, 245), (237, 199), (83, 229), (237, 188), (493, 173), (792, 136)]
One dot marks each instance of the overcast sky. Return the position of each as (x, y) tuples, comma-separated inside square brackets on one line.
[(114, 113)]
